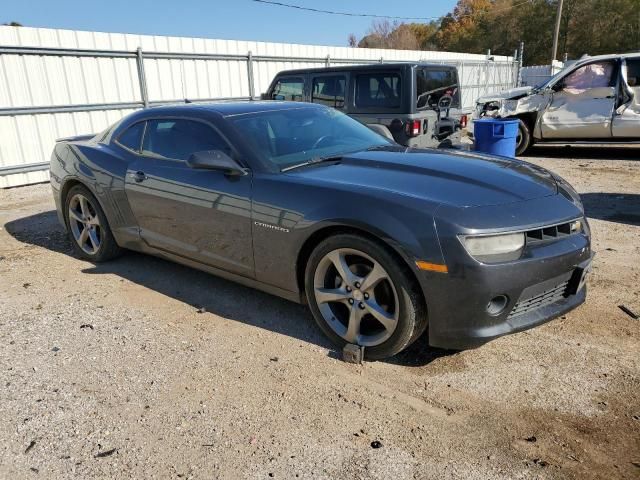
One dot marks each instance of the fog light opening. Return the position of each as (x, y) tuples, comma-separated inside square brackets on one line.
[(497, 304)]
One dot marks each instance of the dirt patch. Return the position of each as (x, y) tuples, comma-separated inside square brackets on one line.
[(142, 368)]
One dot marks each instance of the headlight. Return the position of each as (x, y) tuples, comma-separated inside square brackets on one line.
[(576, 226), (490, 109), (489, 245)]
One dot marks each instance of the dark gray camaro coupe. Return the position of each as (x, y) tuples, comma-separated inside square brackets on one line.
[(306, 203)]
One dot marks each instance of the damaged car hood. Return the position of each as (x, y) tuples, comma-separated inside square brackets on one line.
[(507, 94)]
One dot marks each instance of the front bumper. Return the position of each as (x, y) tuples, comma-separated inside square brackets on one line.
[(478, 327), (539, 286)]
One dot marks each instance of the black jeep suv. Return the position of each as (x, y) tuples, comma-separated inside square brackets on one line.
[(411, 103)]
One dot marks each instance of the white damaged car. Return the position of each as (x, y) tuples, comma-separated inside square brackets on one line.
[(595, 100)]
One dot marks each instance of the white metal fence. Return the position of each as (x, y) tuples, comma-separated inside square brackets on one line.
[(58, 83), (537, 74)]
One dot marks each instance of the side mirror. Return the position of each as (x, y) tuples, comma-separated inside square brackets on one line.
[(264, 96), (215, 160)]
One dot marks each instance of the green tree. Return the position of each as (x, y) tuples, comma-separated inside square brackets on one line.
[(475, 26), (597, 27), (384, 34), (461, 30), (425, 34)]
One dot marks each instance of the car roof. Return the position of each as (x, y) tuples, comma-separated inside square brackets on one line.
[(366, 67), (227, 108), (611, 56)]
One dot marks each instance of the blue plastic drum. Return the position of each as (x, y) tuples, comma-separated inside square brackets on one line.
[(496, 136)]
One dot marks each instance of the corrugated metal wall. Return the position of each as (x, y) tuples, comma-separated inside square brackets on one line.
[(537, 74), (49, 80)]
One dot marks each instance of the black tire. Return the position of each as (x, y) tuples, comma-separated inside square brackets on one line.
[(108, 248), (524, 141), (412, 311)]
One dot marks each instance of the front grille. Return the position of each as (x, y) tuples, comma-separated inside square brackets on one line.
[(541, 300), (549, 233)]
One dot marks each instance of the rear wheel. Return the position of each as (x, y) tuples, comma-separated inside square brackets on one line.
[(359, 293), (88, 227), (523, 140)]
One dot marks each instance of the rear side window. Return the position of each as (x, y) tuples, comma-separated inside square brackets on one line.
[(633, 72), (131, 138), (381, 90), (288, 88), (329, 90), (432, 83), (178, 139)]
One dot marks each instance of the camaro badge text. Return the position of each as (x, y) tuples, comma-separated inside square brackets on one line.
[(272, 227)]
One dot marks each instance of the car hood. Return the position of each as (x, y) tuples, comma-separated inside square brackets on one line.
[(442, 177), (512, 93)]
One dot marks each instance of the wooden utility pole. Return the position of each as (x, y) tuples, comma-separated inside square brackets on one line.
[(556, 32)]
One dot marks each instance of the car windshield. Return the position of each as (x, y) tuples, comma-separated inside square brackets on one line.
[(298, 135)]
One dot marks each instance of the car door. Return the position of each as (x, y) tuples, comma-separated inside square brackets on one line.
[(582, 104), (626, 121), (200, 214)]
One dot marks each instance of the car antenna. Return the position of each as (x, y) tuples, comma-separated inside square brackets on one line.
[(186, 100)]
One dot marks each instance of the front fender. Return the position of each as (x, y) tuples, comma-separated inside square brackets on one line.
[(283, 224), (411, 234)]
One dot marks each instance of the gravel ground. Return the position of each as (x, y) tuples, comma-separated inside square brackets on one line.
[(140, 368)]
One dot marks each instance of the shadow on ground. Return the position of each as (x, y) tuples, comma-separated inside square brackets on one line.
[(203, 291), (585, 152), (613, 207)]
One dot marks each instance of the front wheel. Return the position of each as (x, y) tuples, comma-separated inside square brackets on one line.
[(360, 293), (523, 140)]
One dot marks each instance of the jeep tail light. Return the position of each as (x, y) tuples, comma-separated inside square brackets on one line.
[(413, 128), (463, 121)]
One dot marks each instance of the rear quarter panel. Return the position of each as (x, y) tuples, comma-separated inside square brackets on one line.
[(102, 170)]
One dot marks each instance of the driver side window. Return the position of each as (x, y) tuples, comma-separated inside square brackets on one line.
[(592, 75), (177, 139), (289, 88)]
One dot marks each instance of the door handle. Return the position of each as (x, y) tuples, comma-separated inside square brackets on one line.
[(138, 176)]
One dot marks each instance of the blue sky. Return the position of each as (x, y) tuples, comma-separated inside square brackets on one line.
[(228, 19)]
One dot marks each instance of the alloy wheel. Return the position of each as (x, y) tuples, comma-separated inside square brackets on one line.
[(85, 224), (356, 297)]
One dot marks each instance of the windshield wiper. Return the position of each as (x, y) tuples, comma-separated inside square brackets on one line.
[(313, 161)]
